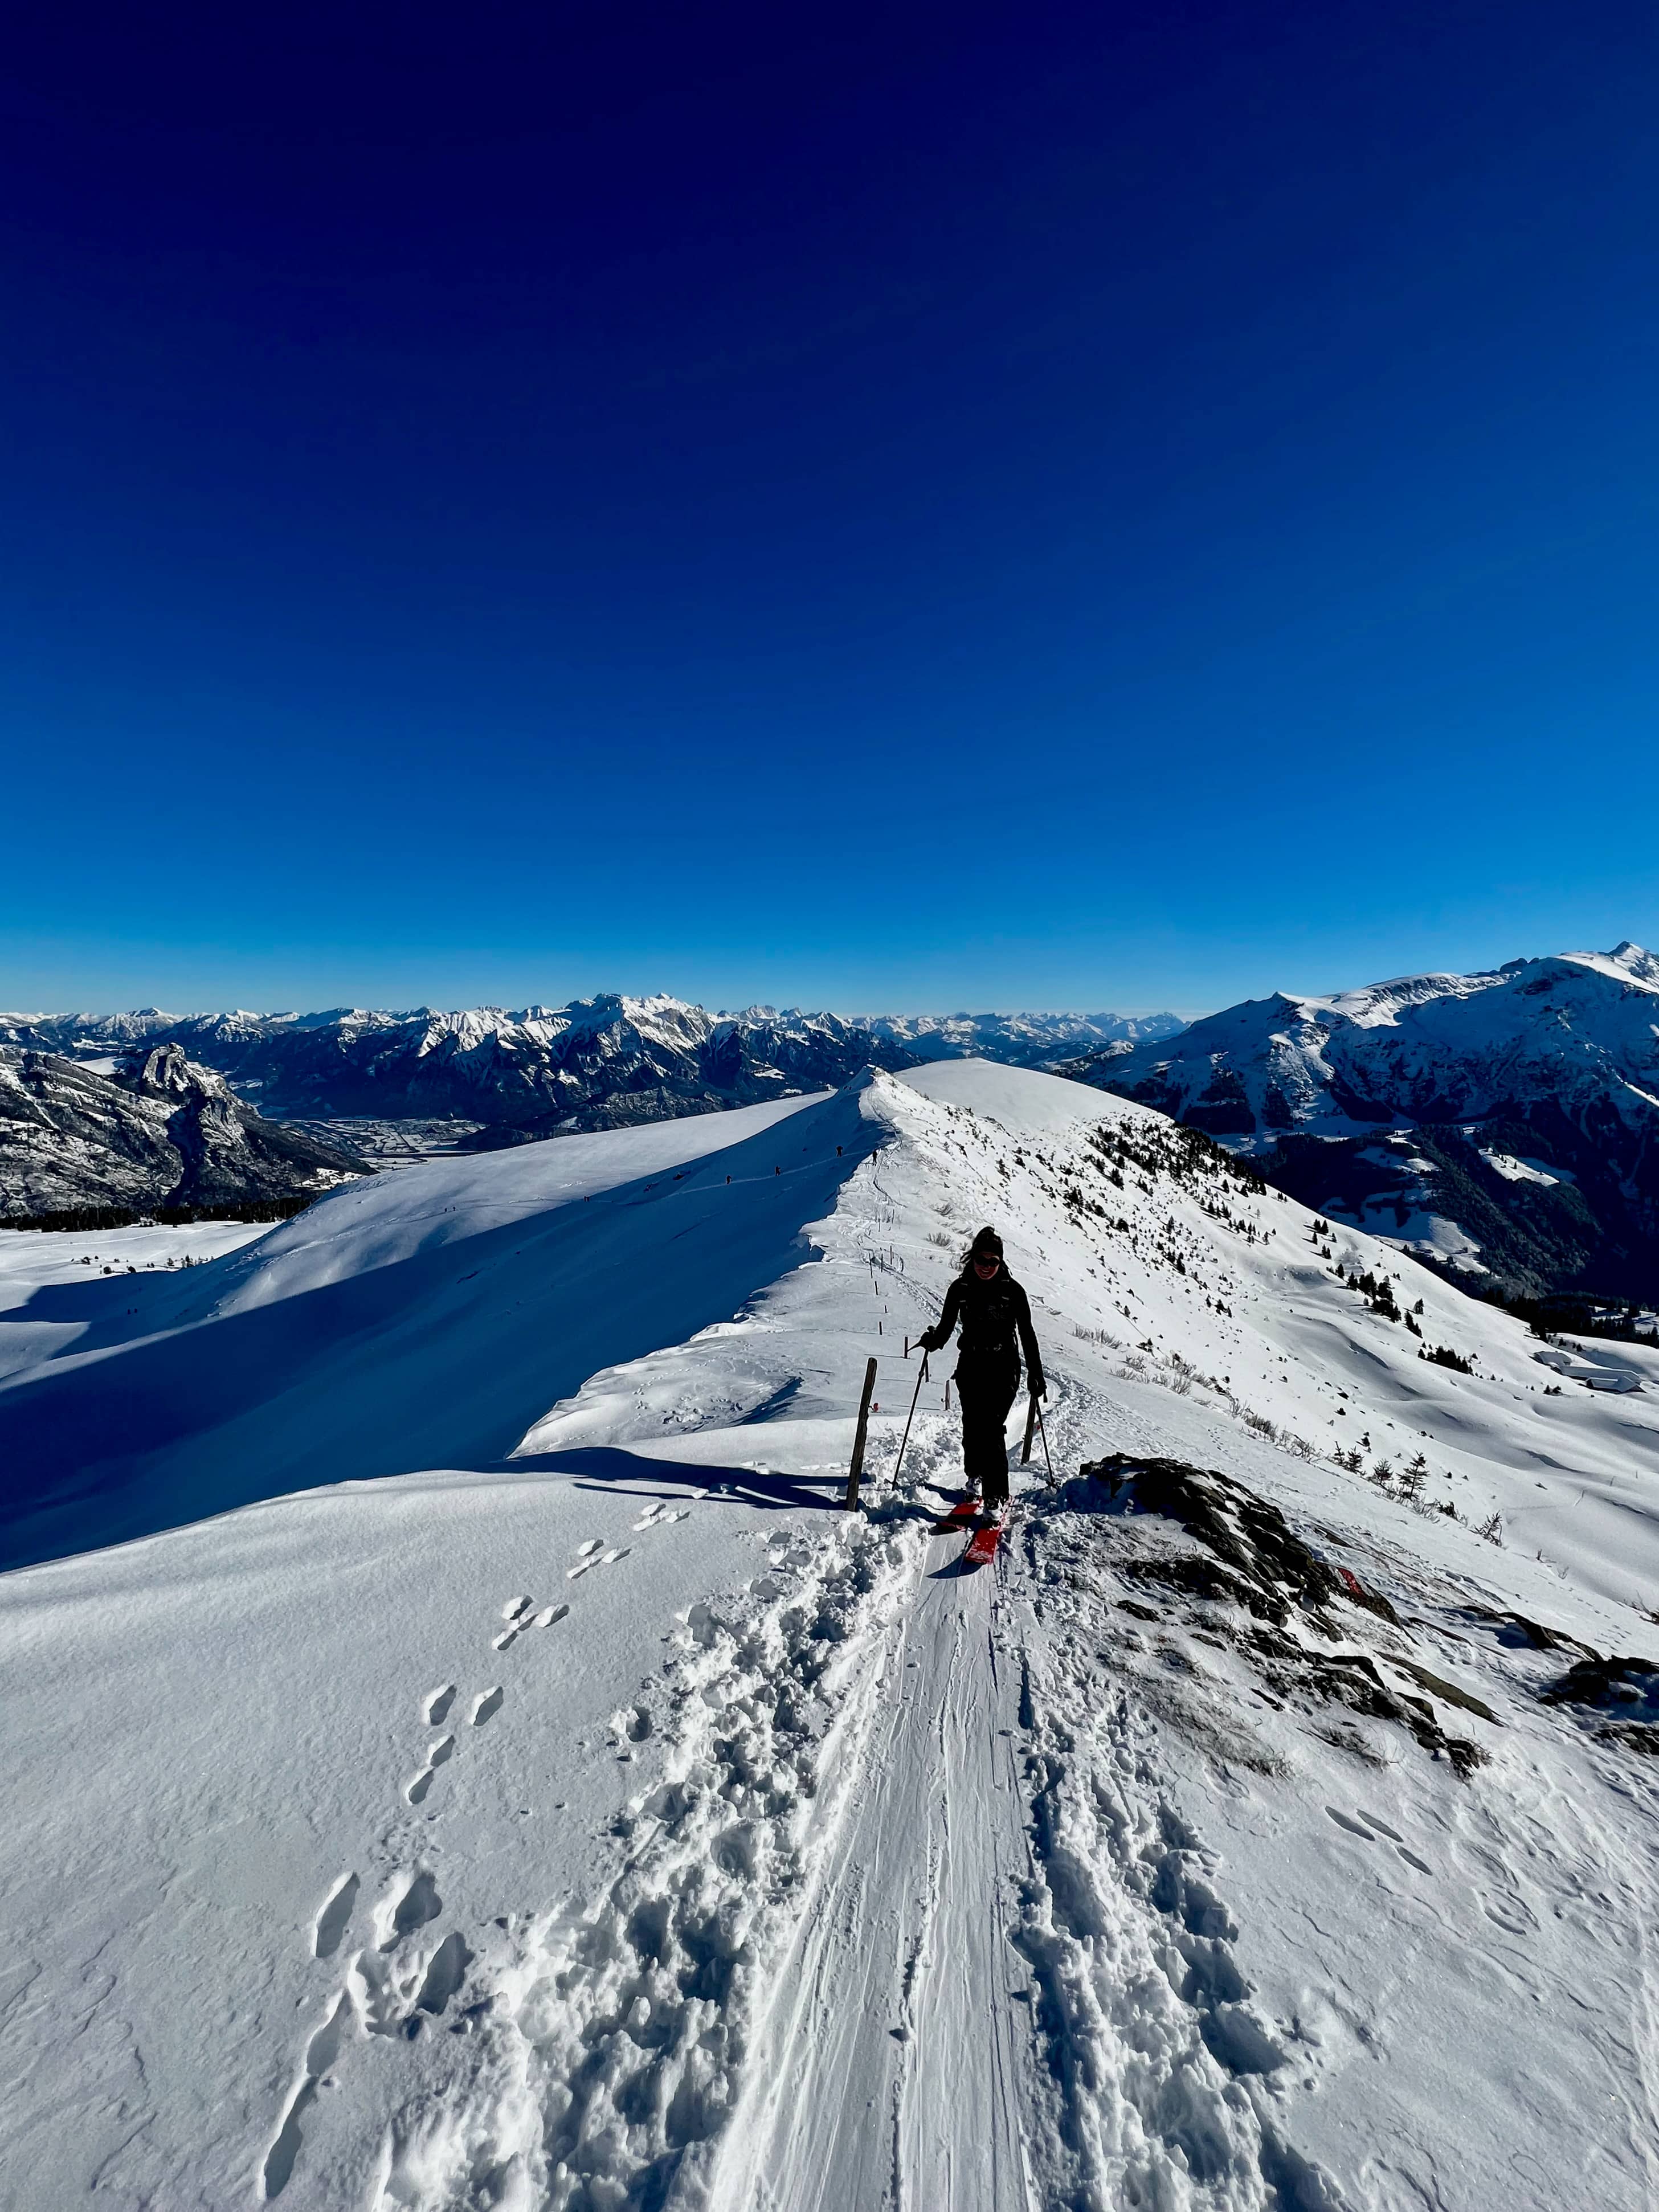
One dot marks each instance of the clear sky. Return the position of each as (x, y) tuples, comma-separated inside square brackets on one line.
[(883, 507)]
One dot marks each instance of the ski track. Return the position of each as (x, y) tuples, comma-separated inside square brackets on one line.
[(884, 2069), (911, 1921)]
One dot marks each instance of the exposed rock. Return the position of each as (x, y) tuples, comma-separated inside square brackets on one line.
[(1248, 1562), (157, 1131)]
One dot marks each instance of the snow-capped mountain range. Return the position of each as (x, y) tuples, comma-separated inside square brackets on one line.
[(544, 1071), (1508, 1121)]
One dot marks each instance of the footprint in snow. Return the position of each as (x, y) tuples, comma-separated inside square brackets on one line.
[(440, 1752), (1353, 1827), (1373, 1828), (405, 1907), (515, 1606), (487, 1705), (550, 1614), (321, 2052), (437, 1705), (612, 1558), (444, 1975), (334, 1916)]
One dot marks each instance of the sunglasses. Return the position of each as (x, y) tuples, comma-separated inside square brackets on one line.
[(986, 1259)]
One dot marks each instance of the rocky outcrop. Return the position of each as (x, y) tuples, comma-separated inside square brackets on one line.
[(155, 1131)]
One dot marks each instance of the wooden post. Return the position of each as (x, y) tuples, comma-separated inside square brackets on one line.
[(856, 1469), (1030, 1429)]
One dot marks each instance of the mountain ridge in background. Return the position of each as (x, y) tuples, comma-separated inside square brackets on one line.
[(540, 1070), (1504, 1124)]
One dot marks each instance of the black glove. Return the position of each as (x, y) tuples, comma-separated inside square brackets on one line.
[(928, 1342), (1039, 1387)]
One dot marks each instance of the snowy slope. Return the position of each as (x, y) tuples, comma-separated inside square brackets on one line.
[(617, 1823), (398, 1322)]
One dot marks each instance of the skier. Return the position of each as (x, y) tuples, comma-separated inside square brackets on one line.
[(996, 1324)]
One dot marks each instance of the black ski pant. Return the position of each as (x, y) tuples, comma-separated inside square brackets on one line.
[(986, 1389)]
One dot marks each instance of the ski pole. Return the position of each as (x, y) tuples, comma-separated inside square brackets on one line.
[(1030, 1424), (910, 1417), (1043, 1433)]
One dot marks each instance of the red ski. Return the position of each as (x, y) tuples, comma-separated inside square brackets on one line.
[(959, 1516), (982, 1545)]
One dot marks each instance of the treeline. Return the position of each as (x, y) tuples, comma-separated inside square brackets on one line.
[(1562, 1315), (94, 1217)]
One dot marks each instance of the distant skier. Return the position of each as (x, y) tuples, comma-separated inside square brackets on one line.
[(996, 1325)]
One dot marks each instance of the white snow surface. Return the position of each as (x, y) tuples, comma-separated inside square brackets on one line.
[(608, 1819), (1023, 1100)]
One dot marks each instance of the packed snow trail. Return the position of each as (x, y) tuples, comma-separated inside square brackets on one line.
[(885, 2070)]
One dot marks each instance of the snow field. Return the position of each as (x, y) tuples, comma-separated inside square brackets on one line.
[(413, 1320), (763, 1858), (82, 1263)]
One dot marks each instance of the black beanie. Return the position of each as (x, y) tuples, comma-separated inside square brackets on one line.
[(987, 1241)]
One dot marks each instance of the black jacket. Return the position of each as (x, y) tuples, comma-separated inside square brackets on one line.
[(996, 1323)]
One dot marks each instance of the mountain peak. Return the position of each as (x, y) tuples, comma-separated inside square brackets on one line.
[(1640, 961)]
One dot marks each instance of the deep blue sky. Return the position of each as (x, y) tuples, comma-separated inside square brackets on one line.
[(882, 508)]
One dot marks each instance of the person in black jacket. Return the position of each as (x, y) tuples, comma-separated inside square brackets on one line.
[(996, 1326)]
